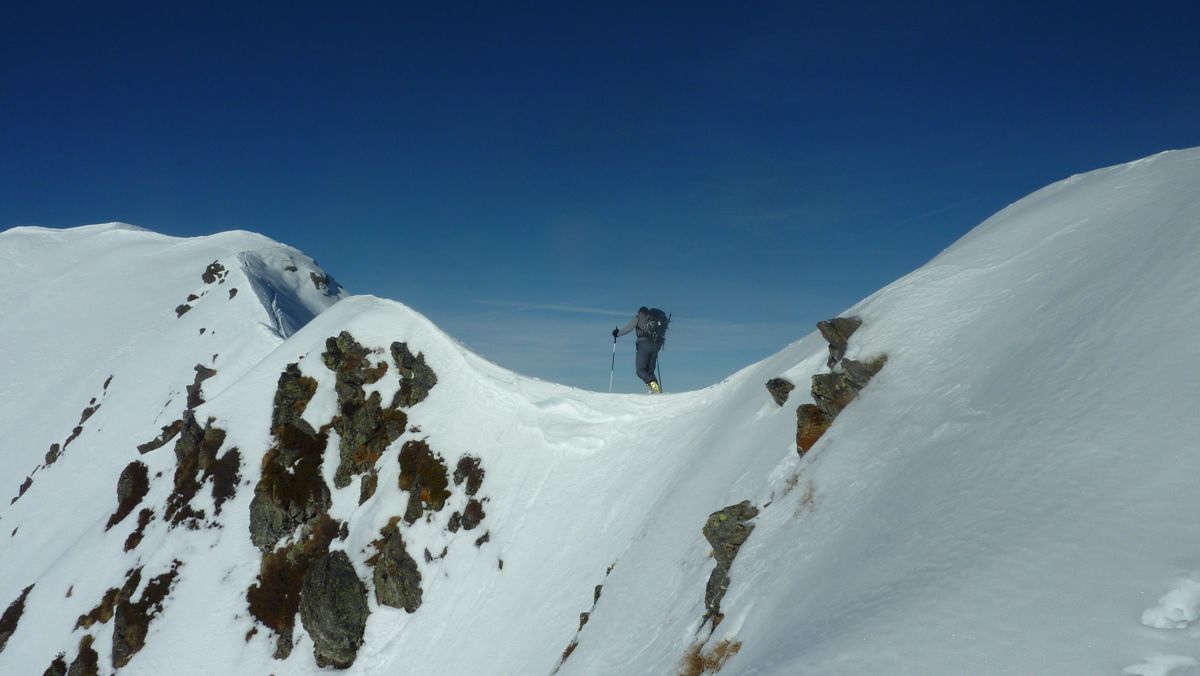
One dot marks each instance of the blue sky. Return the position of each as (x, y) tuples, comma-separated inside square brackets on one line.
[(528, 174)]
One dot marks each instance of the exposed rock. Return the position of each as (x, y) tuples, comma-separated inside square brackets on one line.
[(103, 612), (132, 486), (58, 666), (397, 578), (135, 538), (291, 491), (52, 454), (834, 391), (194, 395), (423, 475), (483, 539), (87, 662), (195, 460), (12, 616), (364, 427), (367, 486), (232, 293), (473, 514), (837, 333), (21, 490), (168, 433), (131, 622), (215, 271), (333, 609), (324, 283), (292, 393), (469, 470), (811, 423), (417, 379), (181, 310), (726, 530), (780, 389), (274, 598)]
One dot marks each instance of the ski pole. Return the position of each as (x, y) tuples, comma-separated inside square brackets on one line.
[(612, 366)]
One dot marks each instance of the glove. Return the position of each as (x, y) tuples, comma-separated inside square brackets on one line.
[(615, 332)]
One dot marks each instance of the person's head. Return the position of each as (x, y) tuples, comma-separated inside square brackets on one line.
[(643, 310)]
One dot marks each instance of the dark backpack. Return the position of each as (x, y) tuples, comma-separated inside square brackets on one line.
[(655, 328)]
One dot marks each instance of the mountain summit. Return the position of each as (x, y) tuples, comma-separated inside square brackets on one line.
[(219, 463)]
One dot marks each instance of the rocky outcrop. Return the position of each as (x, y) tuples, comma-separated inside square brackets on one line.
[(833, 391), (726, 530), (132, 486), (87, 662), (291, 491), (131, 621), (417, 379), (333, 609), (811, 423), (397, 579), (837, 333), (12, 616), (780, 389), (424, 476), (195, 395), (195, 463), (364, 427)]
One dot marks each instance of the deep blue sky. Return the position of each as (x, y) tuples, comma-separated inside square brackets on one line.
[(517, 171)]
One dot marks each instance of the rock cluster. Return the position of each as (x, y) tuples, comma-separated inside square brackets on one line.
[(833, 391)]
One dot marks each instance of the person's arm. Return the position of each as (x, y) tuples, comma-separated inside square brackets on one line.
[(628, 327)]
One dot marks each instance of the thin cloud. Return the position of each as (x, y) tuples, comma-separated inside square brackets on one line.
[(509, 307)]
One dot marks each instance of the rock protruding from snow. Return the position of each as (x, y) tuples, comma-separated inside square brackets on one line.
[(397, 578), (837, 332), (726, 530), (417, 377), (291, 491), (132, 486), (780, 389), (11, 616), (833, 391), (365, 428), (333, 609)]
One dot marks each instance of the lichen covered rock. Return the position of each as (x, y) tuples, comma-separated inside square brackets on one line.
[(424, 476), (780, 389), (333, 609), (726, 530), (365, 428), (417, 379), (397, 578)]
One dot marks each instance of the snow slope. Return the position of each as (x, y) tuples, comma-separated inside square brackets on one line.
[(1013, 493)]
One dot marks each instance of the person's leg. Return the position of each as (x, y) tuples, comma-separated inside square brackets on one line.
[(652, 362), (645, 355)]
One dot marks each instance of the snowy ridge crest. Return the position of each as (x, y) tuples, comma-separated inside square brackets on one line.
[(349, 488)]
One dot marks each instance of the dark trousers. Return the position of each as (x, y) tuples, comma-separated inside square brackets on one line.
[(647, 360)]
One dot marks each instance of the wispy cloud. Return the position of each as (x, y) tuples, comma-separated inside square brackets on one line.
[(510, 307)]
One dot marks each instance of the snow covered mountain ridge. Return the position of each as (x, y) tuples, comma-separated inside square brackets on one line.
[(218, 463)]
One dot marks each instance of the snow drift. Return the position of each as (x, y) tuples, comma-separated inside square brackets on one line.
[(1011, 493)]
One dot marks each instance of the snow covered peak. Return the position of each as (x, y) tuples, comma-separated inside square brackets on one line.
[(258, 484)]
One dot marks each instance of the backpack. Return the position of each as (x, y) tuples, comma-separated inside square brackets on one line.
[(656, 326)]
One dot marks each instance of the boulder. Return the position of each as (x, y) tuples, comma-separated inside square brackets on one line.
[(397, 579), (333, 609), (780, 389)]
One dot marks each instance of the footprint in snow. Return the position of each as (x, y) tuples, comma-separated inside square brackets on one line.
[(1163, 665), (1177, 609)]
